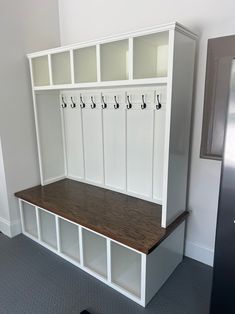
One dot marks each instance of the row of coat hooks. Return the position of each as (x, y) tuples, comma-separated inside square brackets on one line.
[(104, 104)]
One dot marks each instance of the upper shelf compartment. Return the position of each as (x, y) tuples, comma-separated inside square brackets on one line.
[(114, 60), (85, 65), (61, 69), (136, 58), (150, 56), (40, 70)]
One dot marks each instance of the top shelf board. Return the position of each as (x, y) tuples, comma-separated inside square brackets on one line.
[(128, 220), (134, 58)]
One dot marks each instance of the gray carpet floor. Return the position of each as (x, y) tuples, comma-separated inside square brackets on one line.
[(35, 281)]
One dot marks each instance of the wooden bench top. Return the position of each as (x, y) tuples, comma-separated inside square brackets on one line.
[(128, 220)]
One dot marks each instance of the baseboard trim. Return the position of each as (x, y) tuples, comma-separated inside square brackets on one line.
[(10, 228), (199, 253)]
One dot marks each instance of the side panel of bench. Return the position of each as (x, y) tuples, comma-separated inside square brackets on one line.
[(161, 263)]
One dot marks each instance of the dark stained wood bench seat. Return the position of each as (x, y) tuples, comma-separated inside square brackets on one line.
[(128, 220)]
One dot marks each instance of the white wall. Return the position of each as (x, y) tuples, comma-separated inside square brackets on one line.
[(25, 26), (82, 20), (204, 174), (4, 205)]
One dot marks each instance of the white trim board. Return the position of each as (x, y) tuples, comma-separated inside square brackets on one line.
[(150, 30), (199, 252), (10, 228)]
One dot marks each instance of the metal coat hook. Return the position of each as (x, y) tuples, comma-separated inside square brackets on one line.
[(116, 105), (104, 105), (158, 105), (143, 105), (129, 105), (82, 104), (93, 105), (64, 105), (73, 104)]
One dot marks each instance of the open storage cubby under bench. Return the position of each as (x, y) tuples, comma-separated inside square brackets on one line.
[(115, 237)]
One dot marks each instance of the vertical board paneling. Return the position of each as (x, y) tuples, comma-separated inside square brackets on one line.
[(139, 151), (73, 142), (92, 128), (158, 160), (114, 148)]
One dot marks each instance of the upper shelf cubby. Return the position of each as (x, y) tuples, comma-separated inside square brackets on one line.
[(150, 56), (40, 70), (114, 60), (85, 65), (61, 69), (130, 59)]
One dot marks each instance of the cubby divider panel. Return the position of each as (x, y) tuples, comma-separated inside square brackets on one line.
[(95, 252), (150, 56), (40, 71), (85, 66), (61, 71), (126, 269), (115, 60), (29, 219), (48, 228), (69, 239)]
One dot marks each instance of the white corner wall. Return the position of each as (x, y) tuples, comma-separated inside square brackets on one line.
[(82, 20), (25, 26)]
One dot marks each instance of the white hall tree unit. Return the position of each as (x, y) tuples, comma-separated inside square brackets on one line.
[(115, 113), (140, 152)]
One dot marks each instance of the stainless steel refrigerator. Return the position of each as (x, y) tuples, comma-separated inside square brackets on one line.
[(223, 288)]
